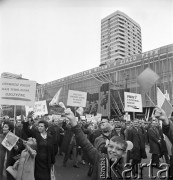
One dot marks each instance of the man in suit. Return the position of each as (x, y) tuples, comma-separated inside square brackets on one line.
[(138, 152)]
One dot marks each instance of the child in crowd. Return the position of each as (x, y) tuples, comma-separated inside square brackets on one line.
[(105, 166)]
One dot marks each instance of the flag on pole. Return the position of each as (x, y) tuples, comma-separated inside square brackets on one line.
[(147, 79), (163, 103), (55, 100)]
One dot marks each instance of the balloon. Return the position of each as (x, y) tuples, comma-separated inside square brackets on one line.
[(129, 145)]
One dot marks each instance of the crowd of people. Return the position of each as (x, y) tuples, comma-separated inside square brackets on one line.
[(99, 145)]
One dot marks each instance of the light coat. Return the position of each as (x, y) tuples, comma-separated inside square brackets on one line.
[(26, 165)]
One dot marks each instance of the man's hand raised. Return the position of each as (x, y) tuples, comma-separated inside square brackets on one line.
[(161, 115), (69, 114), (30, 116)]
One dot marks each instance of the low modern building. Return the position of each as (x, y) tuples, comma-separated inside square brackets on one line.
[(106, 84), (120, 37)]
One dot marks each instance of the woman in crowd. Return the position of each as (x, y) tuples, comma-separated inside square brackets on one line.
[(6, 157), (45, 157)]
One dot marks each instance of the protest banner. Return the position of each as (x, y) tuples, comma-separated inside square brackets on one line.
[(89, 117), (76, 98), (56, 117), (80, 111), (10, 141), (127, 116), (98, 117), (28, 109), (133, 102), (40, 108), (17, 92)]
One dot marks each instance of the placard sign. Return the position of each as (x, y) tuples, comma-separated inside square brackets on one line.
[(10, 141), (76, 98), (17, 92), (127, 116), (133, 102), (28, 109), (40, 108)]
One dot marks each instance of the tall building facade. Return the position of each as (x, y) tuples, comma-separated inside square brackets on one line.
[(120, 37)]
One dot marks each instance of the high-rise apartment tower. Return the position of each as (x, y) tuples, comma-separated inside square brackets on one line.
[(120, 37)]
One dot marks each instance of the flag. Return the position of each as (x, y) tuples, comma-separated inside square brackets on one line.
[(147, 79), (55, 100), (163, 103)]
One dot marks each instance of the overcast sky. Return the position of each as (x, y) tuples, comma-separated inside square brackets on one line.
[(45, 40)]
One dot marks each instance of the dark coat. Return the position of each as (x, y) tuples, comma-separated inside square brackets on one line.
[(96, 133), (122, 132), (100, 161), (10, 161), (168, 131), (114, 133), (49, 148), (54, 131), (156, 141), (67, 138), (100, 143), (136, 137)]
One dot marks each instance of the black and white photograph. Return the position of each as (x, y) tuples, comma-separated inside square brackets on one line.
[(86, 89)]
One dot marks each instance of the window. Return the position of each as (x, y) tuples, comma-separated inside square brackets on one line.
[(163, 50)]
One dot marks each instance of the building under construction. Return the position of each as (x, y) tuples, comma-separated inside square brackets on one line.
[(106, 84)]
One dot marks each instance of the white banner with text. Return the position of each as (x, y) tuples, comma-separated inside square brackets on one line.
[(133, 102), (17, 92), (76, 98)]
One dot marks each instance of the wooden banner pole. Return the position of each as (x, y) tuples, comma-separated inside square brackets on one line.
[(14, 117)]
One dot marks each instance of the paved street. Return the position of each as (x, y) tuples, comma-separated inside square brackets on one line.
[(69, 172)]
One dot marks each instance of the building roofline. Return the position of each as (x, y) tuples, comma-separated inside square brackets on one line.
[(121, 13), (61, 80)]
